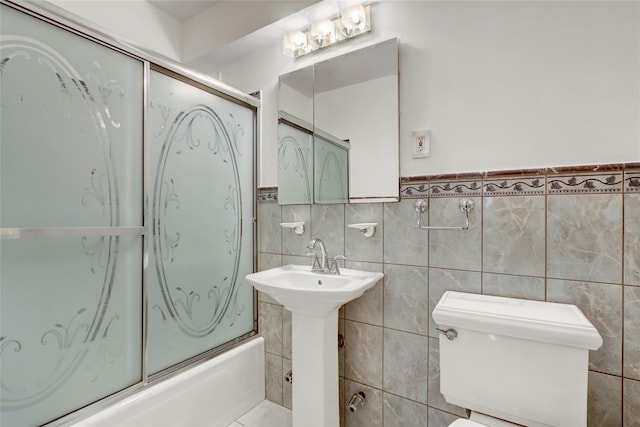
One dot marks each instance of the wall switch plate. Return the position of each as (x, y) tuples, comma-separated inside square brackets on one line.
[(421, 143)]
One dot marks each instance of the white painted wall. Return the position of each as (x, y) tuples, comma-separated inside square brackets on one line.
[(501, 85), (134, 21)]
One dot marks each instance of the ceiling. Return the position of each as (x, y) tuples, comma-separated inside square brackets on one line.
[(234, 28), (183, 10)]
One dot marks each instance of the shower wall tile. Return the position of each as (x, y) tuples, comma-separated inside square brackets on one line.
[(270, 326), (399, 412), (632, 332), (405, 373), (358, 247), (435, 398), (292, 243), (631, 403), (632, 238), (514, 235), (269, 230), (602, 304), (506, 285), (441, 281), (273, 378), (455, 249), (367, 308), (370, 414), (584, 237), (363, 353), (403, 243), (406, 295), (438, 418), (604, 402)]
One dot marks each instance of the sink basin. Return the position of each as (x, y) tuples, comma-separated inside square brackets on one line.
[(300, 290)]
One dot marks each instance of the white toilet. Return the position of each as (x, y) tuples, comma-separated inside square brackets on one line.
[(514, 362)]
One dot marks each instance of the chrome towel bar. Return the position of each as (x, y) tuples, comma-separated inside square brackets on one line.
[(466, 206)]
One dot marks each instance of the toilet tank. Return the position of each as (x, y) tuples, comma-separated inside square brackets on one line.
[(520, 360)]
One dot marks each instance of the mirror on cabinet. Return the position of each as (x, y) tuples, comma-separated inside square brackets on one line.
[(338, 129)]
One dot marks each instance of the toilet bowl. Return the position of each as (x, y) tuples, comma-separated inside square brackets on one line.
[(514, 362)]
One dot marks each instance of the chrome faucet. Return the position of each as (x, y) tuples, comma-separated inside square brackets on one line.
[(323, 265)]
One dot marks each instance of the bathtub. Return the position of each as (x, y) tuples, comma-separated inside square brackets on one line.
[(214, 393)]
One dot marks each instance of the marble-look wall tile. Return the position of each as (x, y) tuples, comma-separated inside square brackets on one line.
[(269, 230), (358, 247), (405, 370), (514, 235), (370, 414), (363, 353), (506, 285), (435, 398), (632, 332), (604, 406), (287, 388), (632, 239), (399, 412), (631, 403), (438, 418), (265, 262), (403, 243), (602, 304), (584, 237), (270, 326), (441, 281), (406, 294), (327, 224), (292, 243), (368, 307), (286, 333), (455, 249), (273, 378), (296, 260)]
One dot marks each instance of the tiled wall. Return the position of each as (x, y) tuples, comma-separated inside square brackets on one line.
[(570, 235)]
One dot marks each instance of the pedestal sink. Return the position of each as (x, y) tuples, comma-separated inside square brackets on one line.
[(314, 300)]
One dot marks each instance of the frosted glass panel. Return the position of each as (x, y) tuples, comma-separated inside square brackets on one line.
[(330, 171), (70, 156), (200, 157), (295, 165), (71, 129), (70, 324)]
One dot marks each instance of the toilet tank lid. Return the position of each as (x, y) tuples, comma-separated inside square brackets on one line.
[(556, 323)]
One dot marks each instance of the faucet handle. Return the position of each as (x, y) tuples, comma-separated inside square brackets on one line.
[(336, 268)]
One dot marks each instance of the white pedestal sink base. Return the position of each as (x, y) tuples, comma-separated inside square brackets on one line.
[(315, 370)]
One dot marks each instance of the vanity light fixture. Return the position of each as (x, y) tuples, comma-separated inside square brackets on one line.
[(353, 21)]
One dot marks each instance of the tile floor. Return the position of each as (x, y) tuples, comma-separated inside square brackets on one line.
[(265, 414)]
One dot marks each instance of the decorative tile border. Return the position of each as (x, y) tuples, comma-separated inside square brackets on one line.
[(414, 189), (267, 195), (590, 179), (514, 186), (587, 183), (632, 181), (465, 188)]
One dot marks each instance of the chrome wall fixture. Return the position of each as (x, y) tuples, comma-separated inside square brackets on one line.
[(352, 21), (466, 206)]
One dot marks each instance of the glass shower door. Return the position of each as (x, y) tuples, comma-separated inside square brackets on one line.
[(70, 218), (201, 213)]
